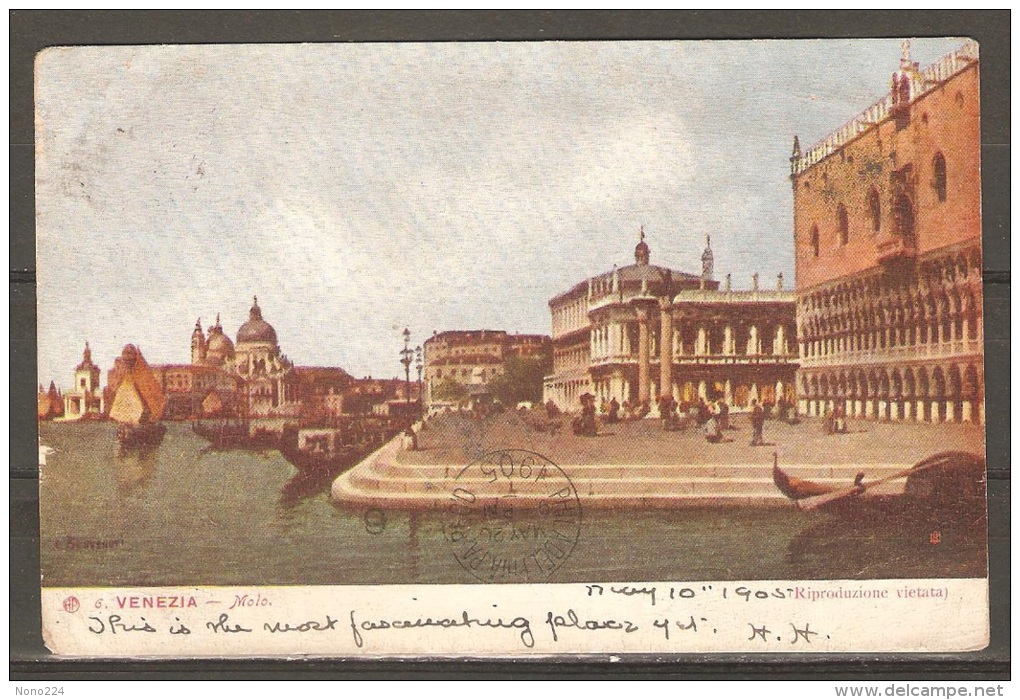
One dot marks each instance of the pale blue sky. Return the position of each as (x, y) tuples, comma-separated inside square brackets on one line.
[(359, 189)]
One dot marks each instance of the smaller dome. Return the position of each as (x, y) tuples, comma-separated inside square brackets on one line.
[(219, 347), (256, 330)]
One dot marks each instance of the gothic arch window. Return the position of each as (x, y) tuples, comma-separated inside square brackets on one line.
[(903, 217), (814, 241), (939, 173), (875, 208), (843, 224)]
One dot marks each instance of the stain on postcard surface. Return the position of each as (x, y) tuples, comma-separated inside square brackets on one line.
[(499, 349)]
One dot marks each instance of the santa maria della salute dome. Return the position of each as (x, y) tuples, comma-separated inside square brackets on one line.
[(268, 377), (214, 348), (249, 376), (255, 329)]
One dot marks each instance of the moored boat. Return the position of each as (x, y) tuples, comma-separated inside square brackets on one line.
[(945, 484), (141, 435), (321, 452), (334, 450), (795, 488), (222, 434)]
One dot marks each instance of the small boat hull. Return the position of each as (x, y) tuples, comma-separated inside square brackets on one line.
[(230, 436), (947, 486), (142, 435), (311, 462), (794, 488)]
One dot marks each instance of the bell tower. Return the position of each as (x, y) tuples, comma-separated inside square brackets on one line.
[(86, 374), (197, 344)]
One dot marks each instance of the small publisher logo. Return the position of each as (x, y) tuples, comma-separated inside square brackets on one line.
[(71, 604)]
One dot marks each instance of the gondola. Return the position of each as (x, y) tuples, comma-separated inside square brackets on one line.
[(945, 484), (328, 461), (235, 435), (141, 435)]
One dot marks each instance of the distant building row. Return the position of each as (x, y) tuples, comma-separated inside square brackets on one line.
[(459, 364), (252, 377)]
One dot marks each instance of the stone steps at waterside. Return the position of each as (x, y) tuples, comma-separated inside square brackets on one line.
[(390, 478)]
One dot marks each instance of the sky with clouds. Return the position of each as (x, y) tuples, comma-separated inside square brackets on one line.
[(361, 188)]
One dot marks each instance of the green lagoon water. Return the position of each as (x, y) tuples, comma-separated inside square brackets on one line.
[(184, 515)]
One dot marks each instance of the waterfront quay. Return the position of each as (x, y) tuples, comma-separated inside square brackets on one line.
[(637, 464)]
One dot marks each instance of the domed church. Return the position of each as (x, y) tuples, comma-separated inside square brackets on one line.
[(267, 373), (266, 377)]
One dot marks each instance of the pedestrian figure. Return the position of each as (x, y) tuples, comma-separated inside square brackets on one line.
[(704, 412), (724, 415), (712, 432), (757, 423), (784, 409), (585, 423), (614, 411), (839, 419), (666, 412)]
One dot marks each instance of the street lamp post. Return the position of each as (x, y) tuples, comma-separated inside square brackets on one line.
[(419, 365), (406, 358)]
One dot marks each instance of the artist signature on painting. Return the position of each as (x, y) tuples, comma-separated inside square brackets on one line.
[(71, 543)]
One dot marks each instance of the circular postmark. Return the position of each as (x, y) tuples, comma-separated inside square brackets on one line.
[(71, 604), (512, 516)]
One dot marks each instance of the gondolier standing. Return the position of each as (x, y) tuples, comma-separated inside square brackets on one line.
[(757, 423)]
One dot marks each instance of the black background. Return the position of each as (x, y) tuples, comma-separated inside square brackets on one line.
[(31, 31)]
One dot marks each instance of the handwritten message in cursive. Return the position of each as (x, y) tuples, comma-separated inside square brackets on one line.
[(512, 619)]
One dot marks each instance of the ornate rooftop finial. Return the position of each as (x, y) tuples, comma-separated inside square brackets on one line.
[(642, 253), (256, 312), (754, 281), (198, 324), (905, 48), (86, 359), (796, 147), (779, 282), (707, 260)]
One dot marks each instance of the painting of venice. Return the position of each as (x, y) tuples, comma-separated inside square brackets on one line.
[(487, 317)]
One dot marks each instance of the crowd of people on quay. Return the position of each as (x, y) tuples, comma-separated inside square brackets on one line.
[(710, 416)]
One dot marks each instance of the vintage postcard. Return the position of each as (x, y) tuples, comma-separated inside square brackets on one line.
[(511, 349)]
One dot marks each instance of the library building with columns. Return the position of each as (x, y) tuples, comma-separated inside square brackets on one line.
[(642, 332), (887, 219)]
